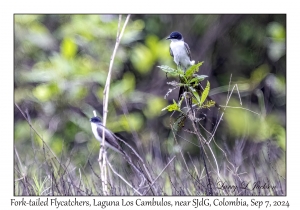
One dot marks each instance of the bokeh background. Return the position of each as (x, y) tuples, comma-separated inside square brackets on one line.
[(60, 68)]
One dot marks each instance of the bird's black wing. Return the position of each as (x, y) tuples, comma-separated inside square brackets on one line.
[(188, 51), (109, 137)]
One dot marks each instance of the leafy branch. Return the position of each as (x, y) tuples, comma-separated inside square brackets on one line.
[(194, 95), (190, 81)]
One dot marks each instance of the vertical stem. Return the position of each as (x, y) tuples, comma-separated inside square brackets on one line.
[(105, 103)]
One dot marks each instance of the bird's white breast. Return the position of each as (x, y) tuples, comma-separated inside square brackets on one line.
[(179, 53), (95, 132)]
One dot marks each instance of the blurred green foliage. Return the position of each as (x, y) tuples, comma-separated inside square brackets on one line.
[(55, 69), (61, 64)]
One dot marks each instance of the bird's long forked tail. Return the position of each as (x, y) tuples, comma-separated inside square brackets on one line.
[(142, 171)]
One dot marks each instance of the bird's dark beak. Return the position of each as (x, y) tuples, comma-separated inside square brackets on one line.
[(168, 37)]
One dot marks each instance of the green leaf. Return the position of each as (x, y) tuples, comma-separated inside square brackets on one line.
[(180, 72), (196, 95), (196, 79), (205, 93), (172, 107), (208, 104), (200, 77), (192, 89), (169, 70), (191, 70), (194, 101)]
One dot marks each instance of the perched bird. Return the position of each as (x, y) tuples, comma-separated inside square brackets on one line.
[(180, 51), (111, 140)]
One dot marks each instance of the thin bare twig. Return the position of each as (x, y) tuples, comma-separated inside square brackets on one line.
[(179, 148), (237, 107), (148, 177), (44, 143), (105, 98), (215, 129), (123, 178), (193, 164), (159, 174)]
